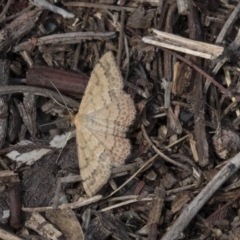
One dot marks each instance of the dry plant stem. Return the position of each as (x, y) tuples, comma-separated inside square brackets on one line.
[(59, 184), (134, 175), (5, 9), (231, 20), (125, 203), (232, 48), (64, 38), (39, 91), (160, 6), (151, 2), (177, 190), (229, 108), (167, 58), (4, 235), (229, 81), (176, 142), (163, 15), (76, 57), (193, 208), (7, 173), (98, 5), (126, 49), (81, 203), (46, 5), (220, 62), (26, 56), (221, 88), (185, 45), (127, 58), (114, 199), (4, 81), (121, 36), (202, 146), (18, 14), (166, 158), (74, 205)]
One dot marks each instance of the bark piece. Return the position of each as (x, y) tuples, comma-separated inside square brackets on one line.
[(4, 80)]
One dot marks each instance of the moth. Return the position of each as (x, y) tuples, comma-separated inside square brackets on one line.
[(103, 119)]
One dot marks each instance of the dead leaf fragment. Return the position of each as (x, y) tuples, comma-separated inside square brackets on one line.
[(67, 222)]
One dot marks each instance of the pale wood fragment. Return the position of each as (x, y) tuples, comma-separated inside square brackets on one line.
[(39, 224), (185, 45), (183, 7), (5, 235)]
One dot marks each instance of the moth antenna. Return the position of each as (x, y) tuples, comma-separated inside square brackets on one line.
[(69, 134), (62, 100), (46, 124)]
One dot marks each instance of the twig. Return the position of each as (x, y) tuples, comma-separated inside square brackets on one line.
[(193, 208), (223, 59), (128, 59), (121, 36), (231, 20), (180, 189), (64, 38), (76, 57), (38, 91), (46, 5), (185, 45), (125, 203), (5, 9), (18, 14), (134, 175), (74, 205), (166, 158), (98, 5), (5, 235)]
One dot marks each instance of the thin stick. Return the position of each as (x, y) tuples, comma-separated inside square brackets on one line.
[(18, 14), (185, 45), (38, 91), (134, 175), (74, 205), (98, 5), (5, 9), (231, 20), (5, 235), (166, 158), (125, 203), (128, 59), (193, 208), (64, 38), (121, 36), (62, 99)]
